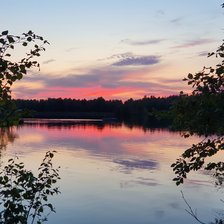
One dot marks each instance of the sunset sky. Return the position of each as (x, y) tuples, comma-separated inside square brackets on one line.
[(116, 49)]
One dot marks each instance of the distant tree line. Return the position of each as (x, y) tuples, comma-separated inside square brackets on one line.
[(129, 110)]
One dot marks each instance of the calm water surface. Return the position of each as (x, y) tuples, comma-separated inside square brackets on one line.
[(114, 174)]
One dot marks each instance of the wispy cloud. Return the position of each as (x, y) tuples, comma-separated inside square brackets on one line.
[(105, 77), (160, 12), (127, 75), (203, 54), (48, 61), (137, 164), (122, 55), (176, 20), (70, 49), (134, 60), (130, 59), (194, 43), (142, 42), (149, 182), (109, 82)]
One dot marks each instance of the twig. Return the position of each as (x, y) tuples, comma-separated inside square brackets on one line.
[(190, 211)]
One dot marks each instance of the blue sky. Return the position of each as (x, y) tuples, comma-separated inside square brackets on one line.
[(115, 49)]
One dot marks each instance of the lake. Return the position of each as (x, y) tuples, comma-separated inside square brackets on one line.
[(113, 173)]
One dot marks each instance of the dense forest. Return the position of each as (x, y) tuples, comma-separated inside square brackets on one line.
[(141, 110)]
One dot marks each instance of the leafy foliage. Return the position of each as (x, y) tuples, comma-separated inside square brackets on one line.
[(202, 113), (210, 80), (25, 196), (9, 114), (11, 71), (194, 159)]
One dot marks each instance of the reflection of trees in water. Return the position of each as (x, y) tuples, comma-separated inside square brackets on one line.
[(97, 124), (71, 123), (7, 135)]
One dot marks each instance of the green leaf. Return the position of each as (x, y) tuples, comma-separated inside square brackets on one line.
[(5, 32), (29, 39), (41, 209), (20, 76), (22, 68), (190, 76), (6, 178), (10, 39), (2, 41), (50, 206), (49, 181)]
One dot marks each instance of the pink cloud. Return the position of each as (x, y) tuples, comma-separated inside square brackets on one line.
[(107, 82), (94, 92)]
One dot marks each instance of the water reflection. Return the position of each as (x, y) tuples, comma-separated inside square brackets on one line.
[(113, 173), (137, 164), (7, 135), (149, 182), (101, 139)]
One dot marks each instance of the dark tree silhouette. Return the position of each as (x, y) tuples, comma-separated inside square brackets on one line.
[(11, 70), (23, 195)]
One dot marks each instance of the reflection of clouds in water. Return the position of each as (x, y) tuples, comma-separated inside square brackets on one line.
[(174, 205), (101, 139), (159, 214), (149, 182), (197, 183), (131, 164)]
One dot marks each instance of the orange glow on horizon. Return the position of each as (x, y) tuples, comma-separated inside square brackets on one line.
[(121, 93)]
